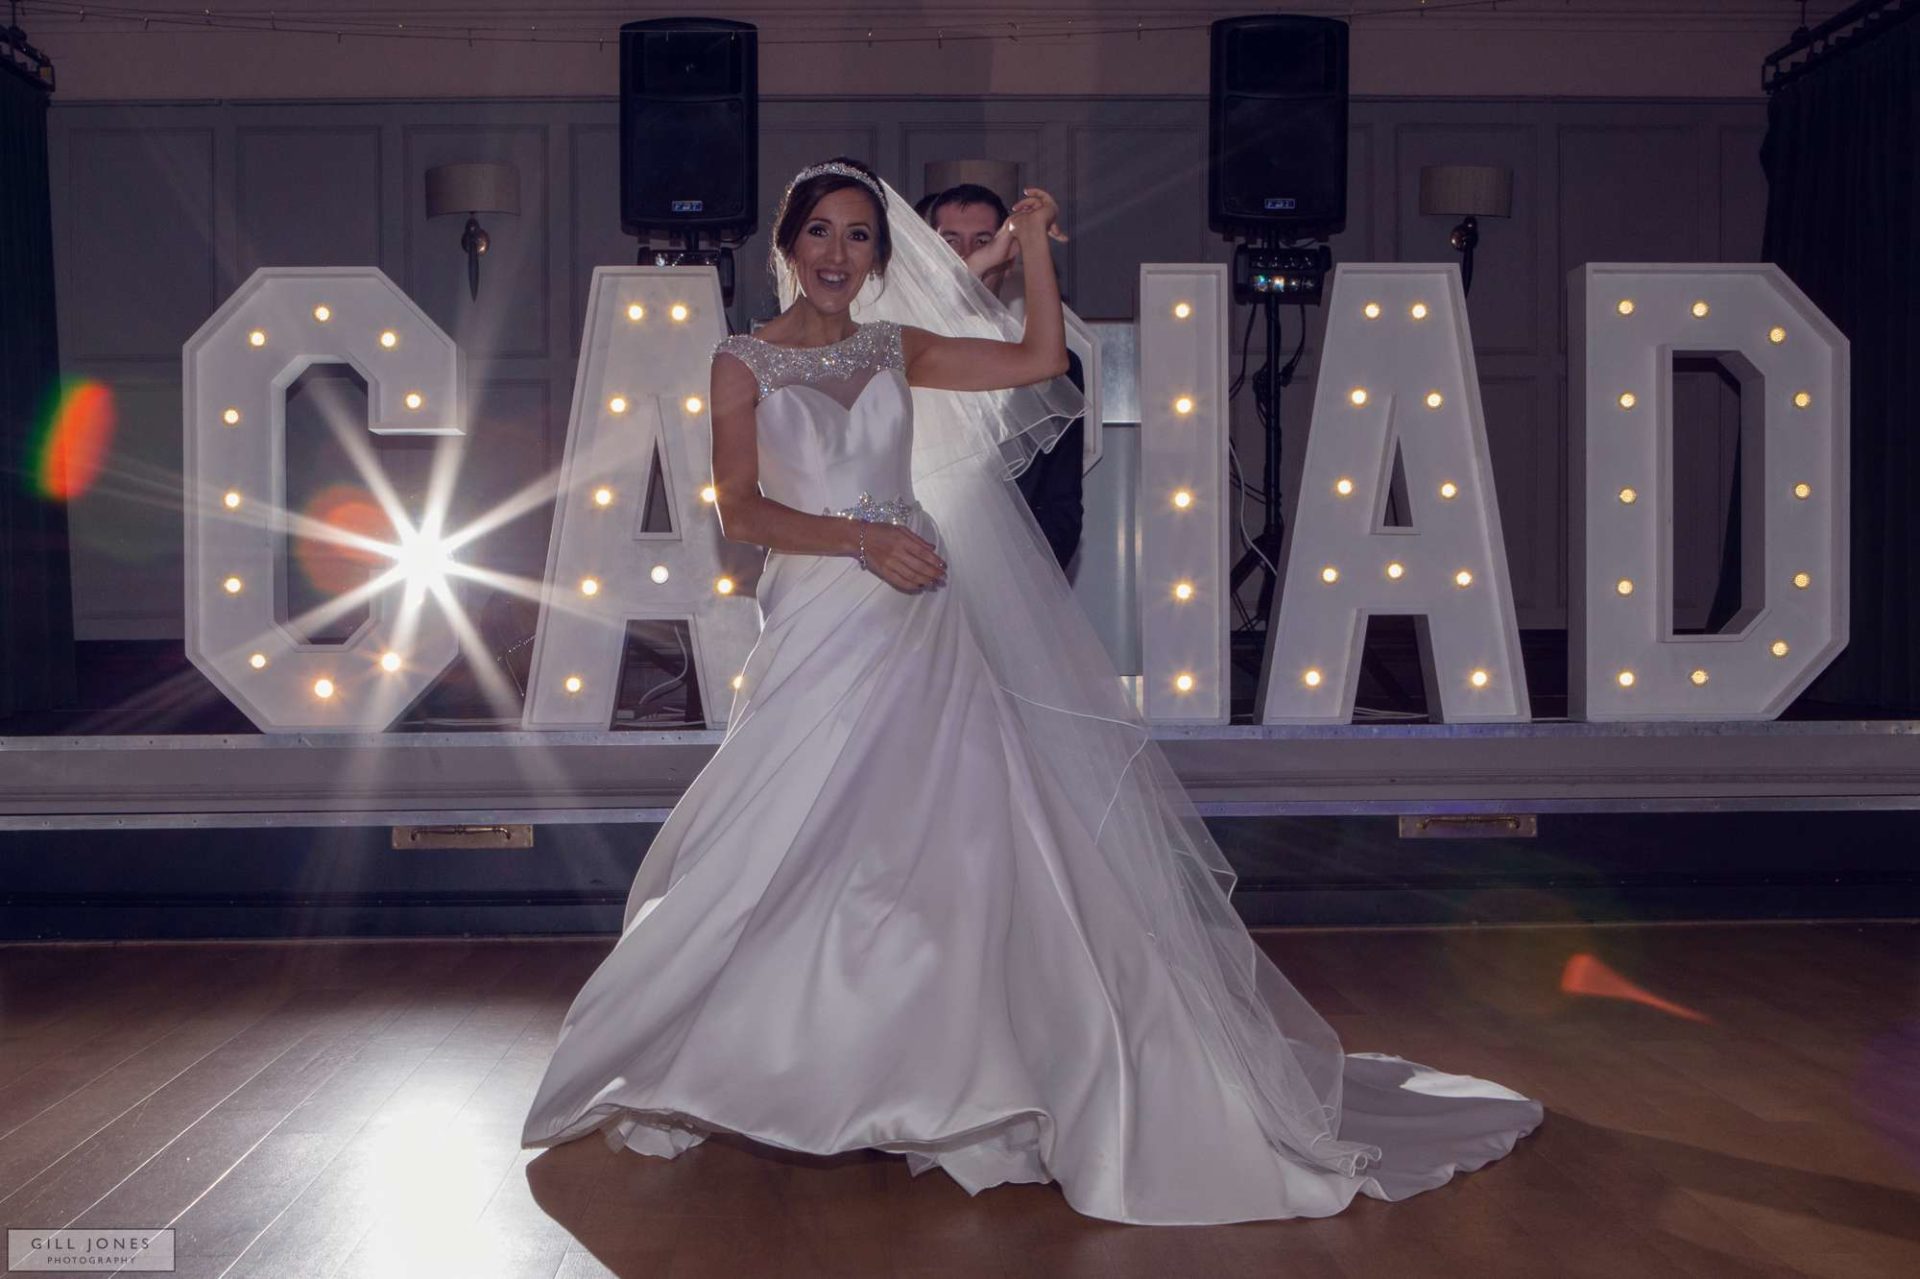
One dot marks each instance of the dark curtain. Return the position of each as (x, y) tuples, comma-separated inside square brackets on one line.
[(1842, 221), (36, 601)]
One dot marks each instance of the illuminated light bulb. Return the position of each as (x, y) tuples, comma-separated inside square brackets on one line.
[(1329, 574), (1625, 678), (323, 688), (679, 312), (415, 399), (1182, 498), (1371, 310), (1463, 579), (1183, 405), (1181, 310), (574, 684), (659, 573), (389, 339), (1183, 591), (694, 404), (603, 497), (258, 661), (1479, 679), (1627, 400), (258, 337), (323, 313), (1396, 570), (231, 417), (1624, 586), (1776, 335), (1628, 497), (636, 312), (1183, 682), (1700, 310), (589, 586), (1699, 677), (1803, 490), (1449, 490), (724, 585), (232, 499), (1802, 580), (1778, 648), (1343, 486), (1358, 395), (708, 494), (232, 585), (389, 661), (1311, 679), (1434, 399), (1801, 399), (1625, 306), (1418, 310), (618, 404), (738, 680)]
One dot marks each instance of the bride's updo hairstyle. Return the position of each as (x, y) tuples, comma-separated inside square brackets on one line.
[(804, 195)]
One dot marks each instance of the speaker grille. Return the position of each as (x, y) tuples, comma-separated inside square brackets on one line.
[(681, 151)]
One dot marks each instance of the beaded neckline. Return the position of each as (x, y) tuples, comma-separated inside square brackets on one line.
[(871, 346)]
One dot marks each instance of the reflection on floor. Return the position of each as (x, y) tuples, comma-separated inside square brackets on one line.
[(1722, 1100)]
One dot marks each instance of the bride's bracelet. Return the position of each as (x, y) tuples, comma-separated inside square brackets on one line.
[(868, 511)]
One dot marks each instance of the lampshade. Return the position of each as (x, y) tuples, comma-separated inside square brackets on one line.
[(1459, 190), (1002, 177), (472, 188)]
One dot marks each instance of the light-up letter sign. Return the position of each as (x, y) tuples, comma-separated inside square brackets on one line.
[(1625, 325), (1396, 513), (641, 389), (1183, 493), (237, 370)]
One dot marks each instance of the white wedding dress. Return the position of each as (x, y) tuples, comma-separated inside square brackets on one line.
[(871, 921)]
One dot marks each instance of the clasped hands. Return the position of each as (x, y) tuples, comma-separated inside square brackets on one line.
[(1036, 213)]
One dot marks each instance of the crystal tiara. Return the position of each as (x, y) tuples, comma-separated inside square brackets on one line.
[(843, 170)]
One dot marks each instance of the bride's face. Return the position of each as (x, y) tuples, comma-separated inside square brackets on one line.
[(834, 253)]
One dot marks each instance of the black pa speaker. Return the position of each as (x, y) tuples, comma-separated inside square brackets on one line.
[(1277, 128), (689, 126)]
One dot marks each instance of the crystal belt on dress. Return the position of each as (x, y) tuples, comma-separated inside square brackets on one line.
[(868, 511)]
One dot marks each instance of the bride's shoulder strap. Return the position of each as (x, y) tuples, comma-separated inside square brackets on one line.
[(748, 352), (896, 352)]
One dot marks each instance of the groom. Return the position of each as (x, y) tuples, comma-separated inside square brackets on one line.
[(970, 219)]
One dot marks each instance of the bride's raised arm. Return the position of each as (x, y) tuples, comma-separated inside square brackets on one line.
[(984, 364)]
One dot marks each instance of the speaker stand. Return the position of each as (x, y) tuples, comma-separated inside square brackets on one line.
[(1267, 542)]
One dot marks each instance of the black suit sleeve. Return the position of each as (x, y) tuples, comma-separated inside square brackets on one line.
[(1052, 482)]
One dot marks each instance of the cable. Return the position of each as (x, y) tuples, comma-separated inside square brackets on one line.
[(1053, 29)]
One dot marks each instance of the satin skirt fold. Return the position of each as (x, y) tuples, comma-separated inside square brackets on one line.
[(868, 924)]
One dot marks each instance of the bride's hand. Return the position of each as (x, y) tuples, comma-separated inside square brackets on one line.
[(902, 558)]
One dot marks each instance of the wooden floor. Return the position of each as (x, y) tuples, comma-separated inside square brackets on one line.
[(1730, 1100)]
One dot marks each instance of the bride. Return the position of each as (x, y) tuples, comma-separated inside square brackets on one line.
[(938, 893)]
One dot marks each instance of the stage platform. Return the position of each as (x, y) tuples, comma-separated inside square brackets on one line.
[(486, 777)]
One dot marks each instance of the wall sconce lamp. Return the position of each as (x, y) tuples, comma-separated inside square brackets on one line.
[(473, 189), (1469, 192)]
